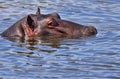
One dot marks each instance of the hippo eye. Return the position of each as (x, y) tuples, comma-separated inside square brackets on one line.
[(52, 23)]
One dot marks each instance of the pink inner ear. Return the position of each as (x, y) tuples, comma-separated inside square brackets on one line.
[(29, 31)]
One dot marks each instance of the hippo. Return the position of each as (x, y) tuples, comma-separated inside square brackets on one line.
[(37, 25)]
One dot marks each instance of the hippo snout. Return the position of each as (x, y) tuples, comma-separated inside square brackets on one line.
[(89, 30)]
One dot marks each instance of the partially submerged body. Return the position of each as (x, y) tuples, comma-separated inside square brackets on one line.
[(38, 25)]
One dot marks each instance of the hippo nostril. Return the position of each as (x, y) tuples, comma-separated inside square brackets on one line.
[(89, 30)]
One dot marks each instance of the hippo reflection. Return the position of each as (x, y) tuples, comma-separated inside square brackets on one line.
[(37, 25)]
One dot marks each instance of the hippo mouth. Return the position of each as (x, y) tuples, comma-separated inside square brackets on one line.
[(60, 30)]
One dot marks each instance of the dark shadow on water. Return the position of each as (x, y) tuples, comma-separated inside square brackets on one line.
[(39, 44), (44, 44), (36, 40), (54, 40)]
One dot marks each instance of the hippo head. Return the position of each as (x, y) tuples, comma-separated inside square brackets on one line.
[(37, 25), (45, 24)]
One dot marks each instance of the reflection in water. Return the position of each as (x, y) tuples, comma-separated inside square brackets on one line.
[(37, 40), (39, 44)]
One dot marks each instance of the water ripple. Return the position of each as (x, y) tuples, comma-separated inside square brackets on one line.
[(63, 58)]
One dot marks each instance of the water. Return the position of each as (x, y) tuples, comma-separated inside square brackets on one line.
[(85, 58)]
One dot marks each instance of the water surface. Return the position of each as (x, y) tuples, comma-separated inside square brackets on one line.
[(63, 58)]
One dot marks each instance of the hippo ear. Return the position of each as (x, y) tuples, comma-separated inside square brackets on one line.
[(31, 22), (38, 11)]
